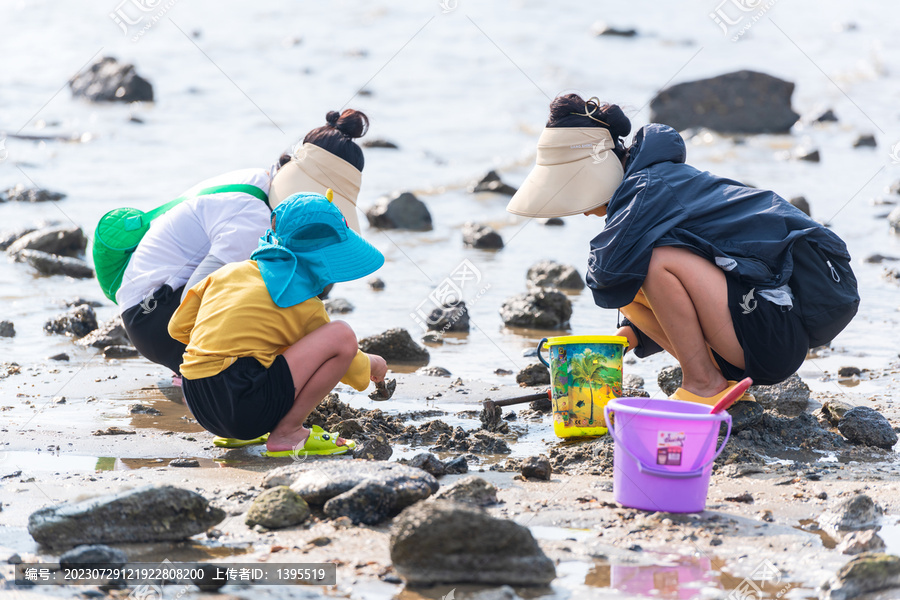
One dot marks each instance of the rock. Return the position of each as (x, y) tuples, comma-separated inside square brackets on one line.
[(738, 102), (79, 300), (50, 264), (277, 508), (491, 183), (429, 463), (77, 323), (107, 80), (894, 220), (184, 463), (375, 448), (800, 202), (109, 333), (379, 143), (449, 318), (449, 542), (433, 337), (789, 398), (745, 415), (869, 572), (548, 273), (338, 306), (542, 406), (434, 372), (669, 379), (369, 503), (395, 346), (826, 117), (534, 374), (470, 490), (113, 352), (855, 513), (632, 381), (833, 410), (384, 389), (456, 466), (93, 556), (60, 356), (11, 235), (861, 541), (863, 425), (502, 372), (63, 240), (146, 514), (477, 235), (537, 467), (113, 430), (849, 372), (745, 498), (866, 140), (324, 295), (554, 222), (403, 211), (7, 329), (20, 193), (601, 28), (541, 309), (142, 409), (807, 154), (376, 283)]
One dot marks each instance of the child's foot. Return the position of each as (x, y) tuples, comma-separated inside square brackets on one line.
[(308, 442)]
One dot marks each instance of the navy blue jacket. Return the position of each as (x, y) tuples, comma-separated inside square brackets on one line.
[(664, 202)]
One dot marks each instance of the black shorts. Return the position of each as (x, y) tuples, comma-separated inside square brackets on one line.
[(773, 338), (147, 325), (244, 401)]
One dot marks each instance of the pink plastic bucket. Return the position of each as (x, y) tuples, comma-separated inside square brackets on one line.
[(664, 450)]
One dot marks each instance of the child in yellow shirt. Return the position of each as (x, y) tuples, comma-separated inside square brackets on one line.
[(261, 351)]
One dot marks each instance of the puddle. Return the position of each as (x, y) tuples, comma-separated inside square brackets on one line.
[(72, 463), (812, 526), (189, 551)]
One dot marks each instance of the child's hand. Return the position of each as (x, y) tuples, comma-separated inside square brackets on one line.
[(377, 368)]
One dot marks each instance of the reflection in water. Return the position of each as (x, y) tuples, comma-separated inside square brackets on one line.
[(679, 578)]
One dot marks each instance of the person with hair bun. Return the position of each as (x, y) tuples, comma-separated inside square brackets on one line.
[(699, 266), (206, 232)]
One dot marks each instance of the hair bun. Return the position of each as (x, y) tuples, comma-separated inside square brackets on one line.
[(619, 124), (332, 117), (351, 123)]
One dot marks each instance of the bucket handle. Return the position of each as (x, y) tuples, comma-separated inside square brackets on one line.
[(662, 472), (541, 356)]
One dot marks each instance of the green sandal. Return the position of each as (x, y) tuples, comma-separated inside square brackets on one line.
[(319, 443), (223, 442)]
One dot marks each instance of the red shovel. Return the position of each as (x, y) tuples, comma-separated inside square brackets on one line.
[(732, 396)]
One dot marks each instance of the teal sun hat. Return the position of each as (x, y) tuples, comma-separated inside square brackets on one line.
[(311, 247)]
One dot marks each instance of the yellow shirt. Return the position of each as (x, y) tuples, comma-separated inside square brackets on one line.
[(230, 314)]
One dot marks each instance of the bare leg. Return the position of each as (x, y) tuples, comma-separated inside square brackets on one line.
[(688, 297), (317, 362)]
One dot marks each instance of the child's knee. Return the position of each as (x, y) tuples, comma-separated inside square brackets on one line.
[(344, 336)]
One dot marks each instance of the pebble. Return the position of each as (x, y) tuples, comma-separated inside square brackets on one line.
[(469, 490), (863, 425), (536, 467), (533, 375), (276, 508)]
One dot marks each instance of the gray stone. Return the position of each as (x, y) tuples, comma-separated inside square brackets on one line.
[(146, 514), (801, 202), (395, 346), (449, 542), (863, 425), (738, 102), (107, 80), (807, 154), (376, 283), (375, 448), (319, 481), (745, 415), (789, 398), (470, 490), (116, 352), (491, 183), (7, 329), (379, 143), (826, 117), (869, 572), (669, 379), (77, 322), (833, 410), (553, 222), (548, 273), (866, 140), (856, 513), (184, 463), (109, 333), (338, 306), (277, 508), (11, 235), (478, 235), (456, 466), (537, 467), (62, 240), (20, 193), (632, 381), (369, 503), (403, 211), (429, 463), (541, 309), (93, 556), (533, 374), (861, 541), (849, 372), (51, 264), (602, 28), (449, 318), (434, 372)]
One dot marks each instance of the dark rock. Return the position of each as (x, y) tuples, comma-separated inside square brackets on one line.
[(534, 374), (376, 283), (849, 372), (449, 318), (877, 259), (434, 372), (395, 346), (107, 80), (861, 541), (276, 508), (404, 211), (543, 405), (456, 466), (62, 240), (789, 398), (855, 513), (338, 306), (93, 556), (79, 300), (7, 329), (142, 409), (548, 273), (113, 352), (502, 372), (863, 425), (324, 294), (449, 542), (541, 309), (61, 356), (745, 415), (745, 498), (369, 503), (379, 143), (433, 337), (109, 333), (184, 463), (801, 202), (383, 389), (833, 410), (669, 380), (554, 222), (113, 430), (470, 490), (478, 442), (50, 264), (146, 514), (429, 463), (807, 154), (537, 467), (375, 448), (601, 28), (349, 428), (477, 235), (738, 102), (77, 323), (491, 183), (826, 117), (9, 236), (868, 572), (20, 193), (865, 141)]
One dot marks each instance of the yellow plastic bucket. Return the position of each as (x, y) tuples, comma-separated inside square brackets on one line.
[(585, 374)]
